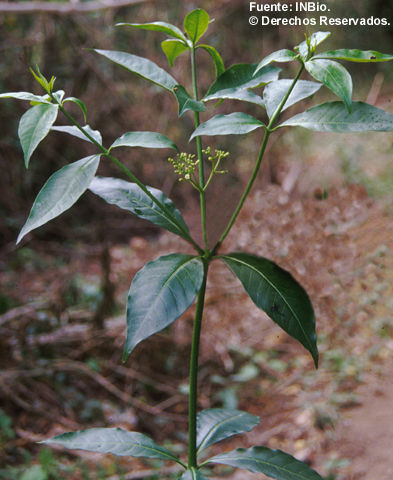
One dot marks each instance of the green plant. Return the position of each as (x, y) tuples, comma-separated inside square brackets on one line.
[(163, 289)]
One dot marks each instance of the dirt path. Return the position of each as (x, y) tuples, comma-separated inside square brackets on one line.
[(365, 435)]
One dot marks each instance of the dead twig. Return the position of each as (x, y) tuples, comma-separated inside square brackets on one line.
[(96, 377), (66, 7), (21, 311)]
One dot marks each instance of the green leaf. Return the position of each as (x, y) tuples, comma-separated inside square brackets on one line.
[(162, 27), (273, 463), (59, 95), (316, 39), (143, 139), (216, 57), (196, 23), (334, 117), (242, 94), (141, 66), (334, 76), (60, 192), (216, 424), (172, 49), (233, 124), (283, 55), (113, 440), (277, 293), (129, 196), (274, 92), (34, 126), (47, 86), (236, 82), (73, 130), (160, 292), (355, 55), (30, 97), (80, 104), (192, 474), (186, 102), (241, 76)]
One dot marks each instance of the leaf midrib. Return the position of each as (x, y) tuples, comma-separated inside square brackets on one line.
[(143, 60), (134, 445), (322, 122), (264, 462), (66, 191), (164, 285), (277, 291), (216, 426), (157, 211), (47, 109), (165, 141)]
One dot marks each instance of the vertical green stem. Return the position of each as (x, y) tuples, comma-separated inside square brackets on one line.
[(199, 152), (246, 191), (193, 394)]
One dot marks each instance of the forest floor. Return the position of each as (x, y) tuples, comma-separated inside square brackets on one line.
[(56, 375)]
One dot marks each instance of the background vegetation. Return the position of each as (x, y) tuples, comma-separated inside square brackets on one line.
[(60, 369)]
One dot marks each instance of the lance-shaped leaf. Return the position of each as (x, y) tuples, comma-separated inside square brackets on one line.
[(273, 463), (143, 139), (30, 97), (162, 27), (60, 192), (315, 39), (283, 55), (355, 55), (186, 102), (73, 130), (235, 82), (274, 92), (334, 117), (34, 126), (216, 424), (172, 49), (196, 23), (113, 440), (242, 94), (277, 293), (192, 474), (129, 196), (233, 124), (216, 57), (160, 292), (334, 76), (141, 66)]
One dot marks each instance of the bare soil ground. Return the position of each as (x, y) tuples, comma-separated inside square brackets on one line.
[(365, 434), (337, 418)]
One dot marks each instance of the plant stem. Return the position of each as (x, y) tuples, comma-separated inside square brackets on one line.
[(193, 393), (202, 198), (258, 163), (129, 174), (246, 191)]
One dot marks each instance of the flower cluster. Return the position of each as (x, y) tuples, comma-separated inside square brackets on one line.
[(216, 158), (184, 165)]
